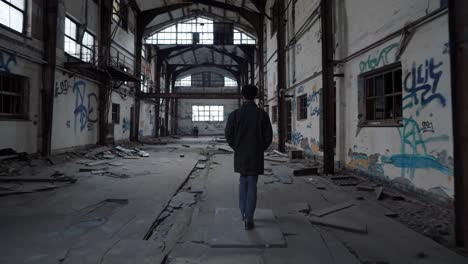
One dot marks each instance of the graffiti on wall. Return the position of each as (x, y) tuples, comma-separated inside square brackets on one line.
[(370, 164), (62, 88), (414, 151), (7, 60), (382, 58), (85, 111), (313, 101), (421, 85), (125, 125), (311, 147)]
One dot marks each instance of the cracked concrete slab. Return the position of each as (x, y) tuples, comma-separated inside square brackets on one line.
[(228, 230)]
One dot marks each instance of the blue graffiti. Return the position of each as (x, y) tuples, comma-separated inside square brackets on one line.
[(125, 125), (313, 98), (300, 89), (423, 86), (416, 161), (296, 138), (414, 154), (6, 60), (86, 111), (315, 111), (446, 48)]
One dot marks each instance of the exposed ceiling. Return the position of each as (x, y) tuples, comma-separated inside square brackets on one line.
[(223, 59)]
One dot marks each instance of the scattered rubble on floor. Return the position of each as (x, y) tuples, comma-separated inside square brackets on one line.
[(225, 149), (201, 166), (306, 171)]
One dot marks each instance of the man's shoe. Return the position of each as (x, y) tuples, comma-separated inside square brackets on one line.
[(249, 225)]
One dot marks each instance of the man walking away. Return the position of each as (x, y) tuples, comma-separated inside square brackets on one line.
[(248, 131)]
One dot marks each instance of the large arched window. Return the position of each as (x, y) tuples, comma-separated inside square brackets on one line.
[(195, 31)]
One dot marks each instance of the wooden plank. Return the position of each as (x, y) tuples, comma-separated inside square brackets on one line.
[(328, 210)]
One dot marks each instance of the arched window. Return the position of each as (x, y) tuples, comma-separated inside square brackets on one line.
[(228, 82)]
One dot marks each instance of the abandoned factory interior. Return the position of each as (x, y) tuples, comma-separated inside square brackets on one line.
[(233, 131)]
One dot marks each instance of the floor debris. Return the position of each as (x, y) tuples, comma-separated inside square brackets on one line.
[(331, 209), (51, 180), (339, 223), (201, 166), (305, 171), (379, 192), (142, 153)]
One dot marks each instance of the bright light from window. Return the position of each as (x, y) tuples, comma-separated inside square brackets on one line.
[(208, 113), (184, 32), (242, 38), (228, 82), (186, 81), (12, 14)]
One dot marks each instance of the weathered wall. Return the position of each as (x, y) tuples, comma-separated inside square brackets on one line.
[(184, 113), (126, 102), (146, 125), (76, 113), (22, 134), (418, 153)]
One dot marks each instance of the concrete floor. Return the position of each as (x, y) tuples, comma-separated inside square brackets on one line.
[(102, 219)]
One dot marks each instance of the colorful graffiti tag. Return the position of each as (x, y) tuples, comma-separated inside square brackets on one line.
[(312, 102), (363, 162), (421, 85), (6, 61), (414, 154), (381, 59), (85, 111)]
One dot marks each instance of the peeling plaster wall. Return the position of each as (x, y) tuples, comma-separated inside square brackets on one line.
[(76, 113), (184, 113), (22, 134), (419, 153), (122, 129), (146, 126)]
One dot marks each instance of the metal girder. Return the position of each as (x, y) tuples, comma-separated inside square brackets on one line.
[(244, 27), (233, 56), (189, 67), (148, 15), (191, 95)]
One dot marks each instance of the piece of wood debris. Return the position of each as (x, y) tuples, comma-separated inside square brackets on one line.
[(201, 166), (339, 178), (306, 171), (227, 149), (130, 157), (331, 209), (348, 184), (366, 188), (187, 146), (339, 223), (280, 153), (379, 192)]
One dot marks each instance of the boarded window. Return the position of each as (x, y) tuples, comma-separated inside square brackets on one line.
[(13, 97), (302, 107), (383, 96), (116, 113)]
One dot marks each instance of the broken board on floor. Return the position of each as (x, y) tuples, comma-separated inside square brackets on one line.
[(228, 230)]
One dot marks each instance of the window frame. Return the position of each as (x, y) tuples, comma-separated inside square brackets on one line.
[(21, 82), (207, 114), (371, 76), (80, 47), (115, 113), (230, 82), (301, 107), (22, 11), (120, 15)]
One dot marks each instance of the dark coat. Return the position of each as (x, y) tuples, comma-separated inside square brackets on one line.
[(249, 132)]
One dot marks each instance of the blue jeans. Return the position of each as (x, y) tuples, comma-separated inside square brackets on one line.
[(248, 196)]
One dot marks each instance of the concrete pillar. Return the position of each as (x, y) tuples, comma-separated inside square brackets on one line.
[(157, 87), (51, 28), (279, 15), (167, 84)]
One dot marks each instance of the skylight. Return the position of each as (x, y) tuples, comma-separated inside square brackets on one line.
[(194, 31)]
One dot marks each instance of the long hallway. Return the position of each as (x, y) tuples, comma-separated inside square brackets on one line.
[(131, 213)]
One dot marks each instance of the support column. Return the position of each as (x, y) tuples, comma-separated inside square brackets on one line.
[(47, 99), (167, 84), (261, 68), (138, 48), (281, 63), (328, 86), (458, 11), (252, 68), (105, 88), (157, 88)]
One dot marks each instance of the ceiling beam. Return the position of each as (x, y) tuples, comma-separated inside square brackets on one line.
[(191, 95), (148, 15)]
